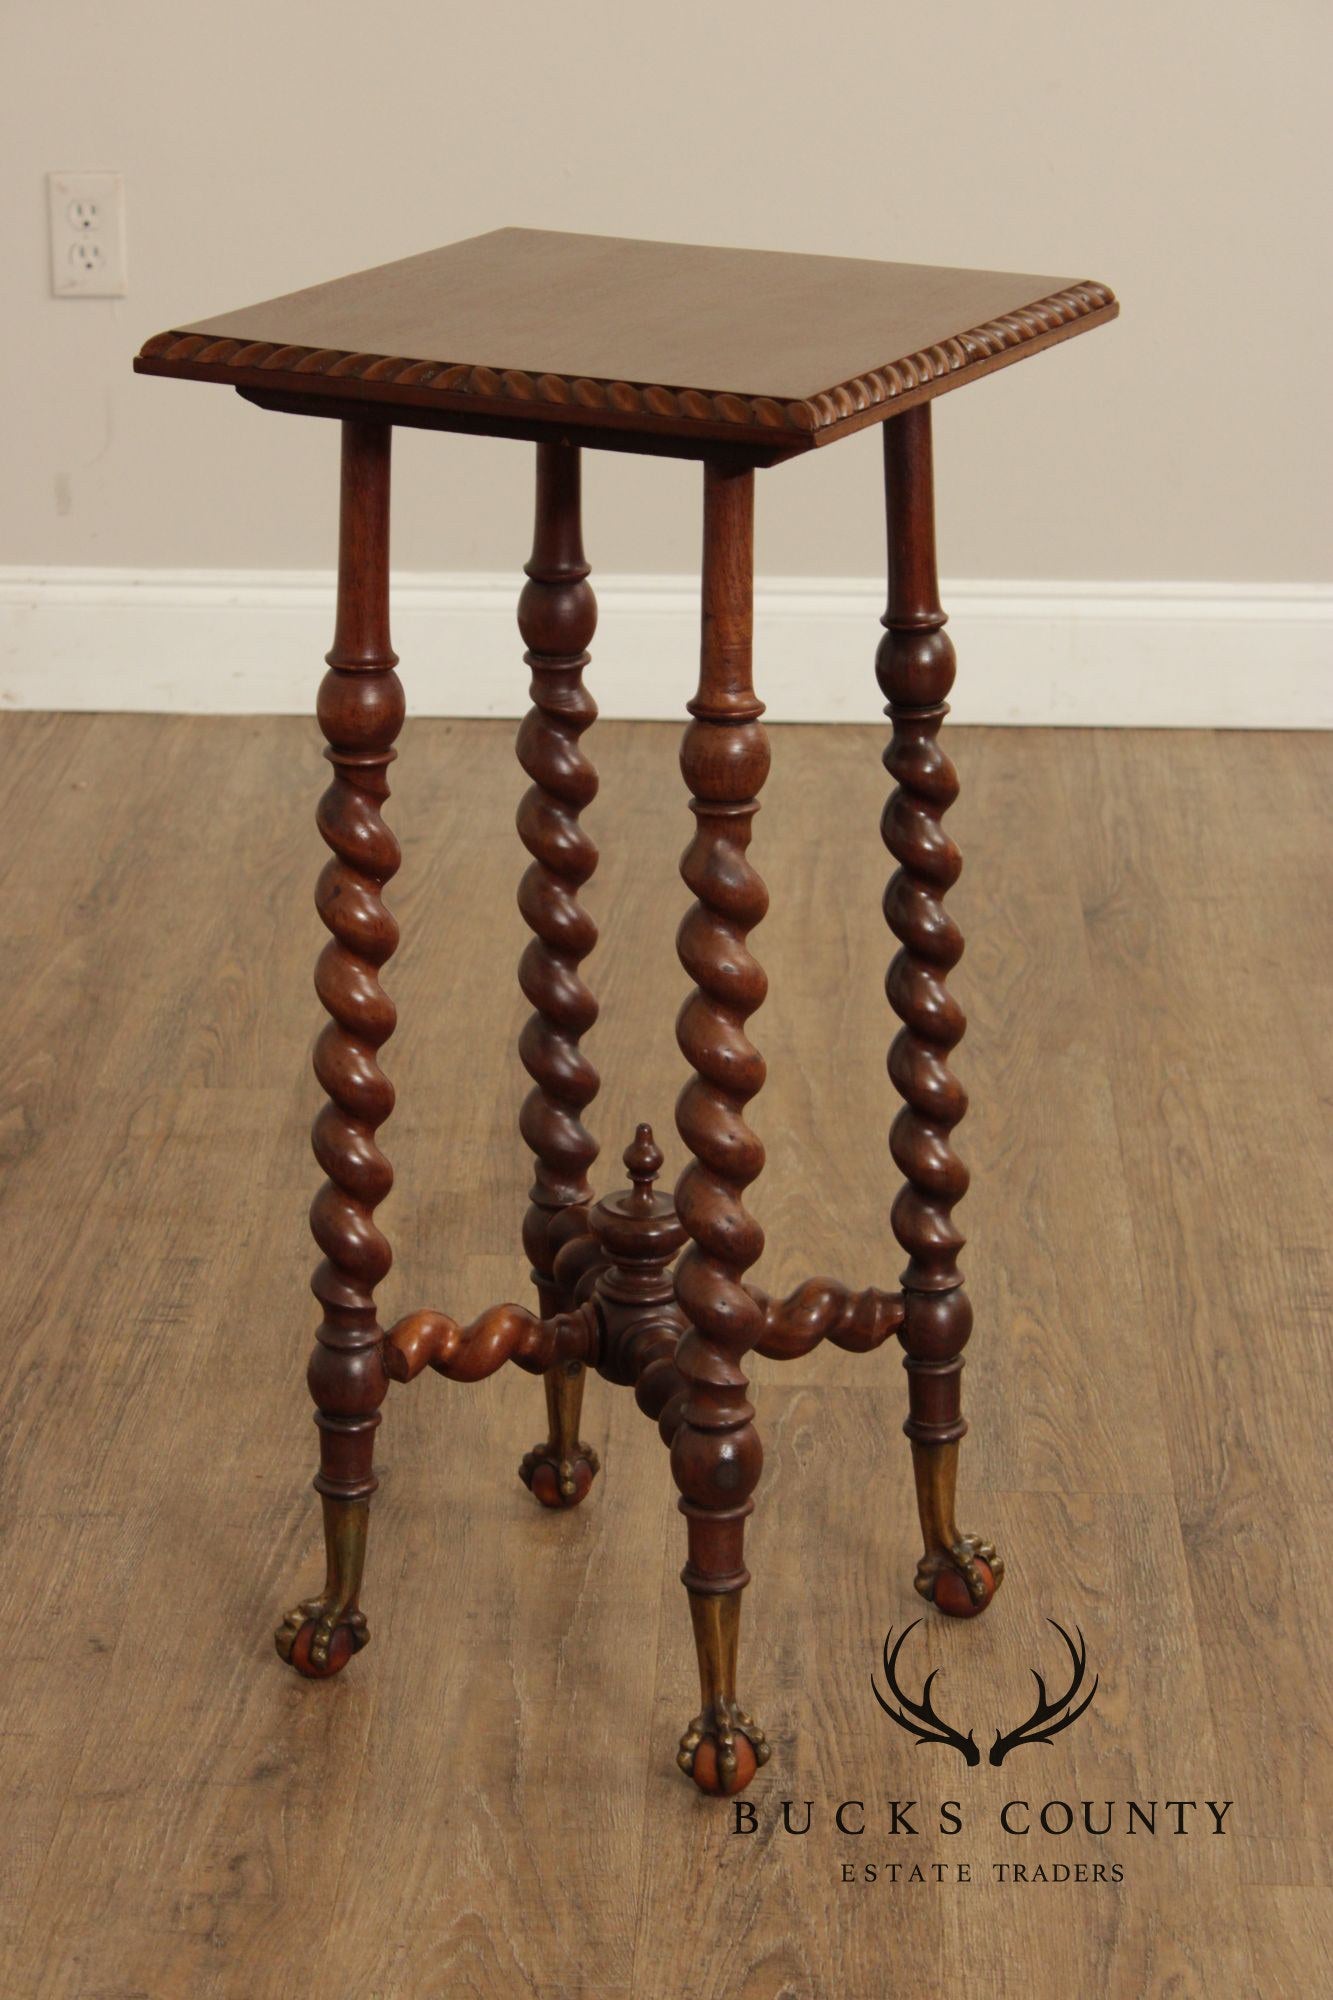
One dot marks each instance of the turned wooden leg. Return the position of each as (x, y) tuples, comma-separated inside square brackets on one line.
[(360, 712), (915, 669), (715, 1452), (557, 616)]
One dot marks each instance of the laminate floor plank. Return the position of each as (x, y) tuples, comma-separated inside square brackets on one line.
[(1226, 1155), (486, 1804)]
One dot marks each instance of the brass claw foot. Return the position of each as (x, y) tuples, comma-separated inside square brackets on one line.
[(560, 1469), (961, 1580), (318, 1638), (958, 1574), (723, 1746), (559, 1482), (722, 1749)]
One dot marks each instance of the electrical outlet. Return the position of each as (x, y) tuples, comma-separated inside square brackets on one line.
[(86, 213)]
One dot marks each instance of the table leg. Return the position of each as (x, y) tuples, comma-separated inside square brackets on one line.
[(915, 668), (715, 1453), (557, 616), (360, 712)]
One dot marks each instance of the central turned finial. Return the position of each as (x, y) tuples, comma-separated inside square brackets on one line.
[(644, 1160), (639, 1234)]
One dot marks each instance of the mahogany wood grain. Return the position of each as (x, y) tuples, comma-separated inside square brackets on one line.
[(716, 1455), (659, 340), (360, 712), (557, 616), (826, 1309), (915, 670), (469, 1351), (639, 1235)]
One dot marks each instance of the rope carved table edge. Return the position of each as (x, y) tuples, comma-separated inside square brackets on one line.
[(254, 360)]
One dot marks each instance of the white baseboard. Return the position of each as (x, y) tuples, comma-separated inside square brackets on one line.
[(250, 642)]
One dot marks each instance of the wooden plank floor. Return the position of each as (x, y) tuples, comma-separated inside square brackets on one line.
[(486, 1803)]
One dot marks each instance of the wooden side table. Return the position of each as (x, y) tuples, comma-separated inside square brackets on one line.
[(741, 359)]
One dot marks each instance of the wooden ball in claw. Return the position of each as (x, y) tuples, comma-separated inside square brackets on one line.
[(952, 1596), (545, 1484), (340, 1652), (709, 1776)]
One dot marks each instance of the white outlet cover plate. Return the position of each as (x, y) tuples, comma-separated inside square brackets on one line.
[(86, 218)]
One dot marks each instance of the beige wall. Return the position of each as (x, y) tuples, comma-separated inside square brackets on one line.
[(1174, 148)]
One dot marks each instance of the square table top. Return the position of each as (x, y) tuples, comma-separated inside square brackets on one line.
[(661, 340)]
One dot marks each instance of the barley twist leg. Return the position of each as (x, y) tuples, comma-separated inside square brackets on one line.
[(557, 616), (958, 1573), (360, 711), (715, 1451)]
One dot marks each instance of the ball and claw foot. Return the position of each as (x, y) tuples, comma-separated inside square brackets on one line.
[(722, 1749), (559, 1482), (318, 1642), (962, 1580)]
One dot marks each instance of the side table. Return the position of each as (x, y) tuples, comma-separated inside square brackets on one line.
[(741, 359)]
